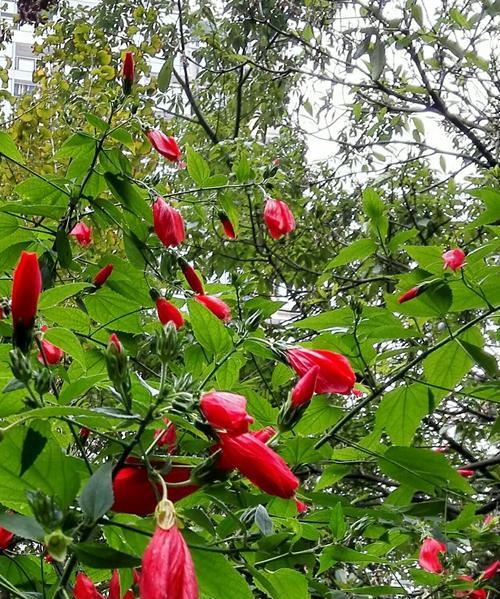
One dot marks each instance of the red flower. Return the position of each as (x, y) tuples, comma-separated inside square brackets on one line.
[(465, 472), (134, 493), (278, 218), (302, 507), (166, 436), (215, 305), (164, 145), (454, 259), (53, 354), (472, 593), (115, 591), (259, 463), (410, 294), (26, 289), (491, 570), (304, 390), (5, 538), (84, 434), (113, 340), (264, 434), (335, 373), (168, 223), (191, 277), (167, 312), (103, 275), (82, 234), (429, 555), (167, 567), (226, 411), (128, 73), (227, 225), (85, 589)]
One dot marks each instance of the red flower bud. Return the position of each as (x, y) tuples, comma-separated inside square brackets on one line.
[(5, 538), (335, 373), (227, 225), (84, 434), (304, 390), (103, 275), (191, 277), (226, 411), (26, 289), (128, 73), (491, 570), (167, 436), (264, 434), (259, 463), (113, 340), (168, 223), (216, 306), (465, 472), (85, 589), (429, 555), (82, 234), (278, 218), (410, 294), (302, 507), (454, 259), (167, 312), (167, 566), (164, 145), (472, 593), (52, 353), (115, 591)]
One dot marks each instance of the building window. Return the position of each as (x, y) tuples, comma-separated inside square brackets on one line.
[(25, 64), (23, 87)]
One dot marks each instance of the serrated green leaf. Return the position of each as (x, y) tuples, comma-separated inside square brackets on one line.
[(208, 329)]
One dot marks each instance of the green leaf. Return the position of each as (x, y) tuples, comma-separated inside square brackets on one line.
[(97, 496), (68, 342), (375, 209), (440, 296), (338, 524), (319, 416), (377, 59), (8, 148), (208, 329), (338, 553), (112, 309), (22, 526), (282, 583), (357, 250), (483, 359), (165, 74), (197, 167), (63, 248), (128, 195), (32, 447), (56, 295), (103, 557), (263, 521)]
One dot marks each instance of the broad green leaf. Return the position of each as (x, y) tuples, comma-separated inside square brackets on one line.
[(197, 167), (102, 557), (22, 526), (208, 329), (483, 359), (338, 524), (320, 415), (263, 521), (283, 583), (337, 553), (357, 250), (8, 148), (165, 74), (128, 195), (97, 496), (56, 295), (68, 342), (377, 59), (111, 309)]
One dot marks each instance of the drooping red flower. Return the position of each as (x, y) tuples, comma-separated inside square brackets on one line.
[(166, 436), (103, 275), (128, 73), (259, 463), (278, 218), (227, 225), (491, 570), (167, 312), (465, 472), (84, 588), (191, 277), (216, 306), (168, 223), (454, 259), (226, 411), (53, 354), (134, 493), (335, 373), (409, 295), (167, 567), (5, 538), (470, 593), (164, 145), (26, 289), (429, 555), (303, 391), (115, 591), (82, 234)]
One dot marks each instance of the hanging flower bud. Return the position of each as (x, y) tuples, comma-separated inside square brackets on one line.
[(302, 507), (412, 293), (164, 145), (115, 591), (167, 566), (5, 538), (259, 463), (51, 353), (167, 312), (470, 593), (300, 398), (335, 374), (226, 411), (26, 289), (85, 589), (118, 372), (168, 223), (82, 234), (429, 555), (278, 218), (454, 259), (465, 472), (216, 306), (103, 275), (128, 73), (166, 436), (491, 570), (227, 225), (191, 277)]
